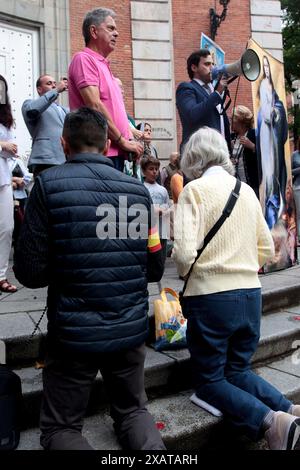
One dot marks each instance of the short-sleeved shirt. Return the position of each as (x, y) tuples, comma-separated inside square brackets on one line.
[(160, 197), (89, 68)]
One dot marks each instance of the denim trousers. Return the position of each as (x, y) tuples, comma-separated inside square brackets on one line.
[(222, 335)]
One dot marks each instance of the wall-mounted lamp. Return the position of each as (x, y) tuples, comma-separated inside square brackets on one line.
[(215, 19)]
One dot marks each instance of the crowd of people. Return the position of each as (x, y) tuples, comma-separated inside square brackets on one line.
[(97, 287)]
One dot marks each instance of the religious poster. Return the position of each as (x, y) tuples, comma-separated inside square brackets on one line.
[(273, 150), (216, 52)]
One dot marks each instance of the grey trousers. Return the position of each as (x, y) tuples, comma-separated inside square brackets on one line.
[(67, 384)]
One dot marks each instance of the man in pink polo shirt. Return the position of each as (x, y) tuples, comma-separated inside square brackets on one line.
[(91, 83)]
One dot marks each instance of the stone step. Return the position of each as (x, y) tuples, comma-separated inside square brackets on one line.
[(279, 335), (161, 371), (184, 425), (16, 325)]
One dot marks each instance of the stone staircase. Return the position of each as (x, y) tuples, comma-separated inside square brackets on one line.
[(184, 426)]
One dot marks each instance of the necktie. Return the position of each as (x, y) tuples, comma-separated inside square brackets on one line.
[(207, 88)]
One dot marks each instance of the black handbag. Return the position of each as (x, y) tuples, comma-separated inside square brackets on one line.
[(234, 195)]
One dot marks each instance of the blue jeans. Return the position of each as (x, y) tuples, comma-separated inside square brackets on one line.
[(222, 335)]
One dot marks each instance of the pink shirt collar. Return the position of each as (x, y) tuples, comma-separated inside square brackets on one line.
[(90, 51)]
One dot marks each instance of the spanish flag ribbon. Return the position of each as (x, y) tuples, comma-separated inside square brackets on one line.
[(153, 240)]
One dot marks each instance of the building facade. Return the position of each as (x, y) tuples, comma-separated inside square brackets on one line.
[(155, 39)]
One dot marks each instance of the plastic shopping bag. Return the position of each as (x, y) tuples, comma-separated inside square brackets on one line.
[(170, 325)]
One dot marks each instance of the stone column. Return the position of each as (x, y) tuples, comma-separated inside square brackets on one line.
[(152, 51)]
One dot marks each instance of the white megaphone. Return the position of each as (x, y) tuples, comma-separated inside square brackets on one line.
[(248, 65)]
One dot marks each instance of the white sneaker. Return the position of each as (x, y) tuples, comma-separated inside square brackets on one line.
[(284, 431), (296, 410), (206, 406)]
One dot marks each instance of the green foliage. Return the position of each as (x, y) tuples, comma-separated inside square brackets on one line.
[(291, 52), (291, 39)]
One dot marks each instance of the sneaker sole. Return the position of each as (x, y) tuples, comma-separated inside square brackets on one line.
[(294, 434)]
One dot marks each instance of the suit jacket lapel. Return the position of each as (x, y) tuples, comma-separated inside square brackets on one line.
[(199, 88)]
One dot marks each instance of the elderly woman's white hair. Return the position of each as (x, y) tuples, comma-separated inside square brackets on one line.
[(205, 148)]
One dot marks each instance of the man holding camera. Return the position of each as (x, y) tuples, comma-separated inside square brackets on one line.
[(44, 119), (198, 103)]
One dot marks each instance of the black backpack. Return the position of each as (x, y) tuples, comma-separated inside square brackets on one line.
[(10, 408)]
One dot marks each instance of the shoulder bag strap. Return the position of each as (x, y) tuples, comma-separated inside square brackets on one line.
[(234, 195)]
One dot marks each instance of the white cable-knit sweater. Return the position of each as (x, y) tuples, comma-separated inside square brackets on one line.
[(243, 244)]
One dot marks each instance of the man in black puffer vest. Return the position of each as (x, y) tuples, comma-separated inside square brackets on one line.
[(82, 238)]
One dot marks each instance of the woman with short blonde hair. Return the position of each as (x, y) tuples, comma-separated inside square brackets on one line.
[(244, 114), (244, 155)]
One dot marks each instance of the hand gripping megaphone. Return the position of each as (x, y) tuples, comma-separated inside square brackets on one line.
[(248, 65)]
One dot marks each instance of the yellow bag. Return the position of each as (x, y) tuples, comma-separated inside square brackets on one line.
[(170, 325)]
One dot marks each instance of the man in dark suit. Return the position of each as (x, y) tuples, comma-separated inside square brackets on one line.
[(198, 103), (44, 119)]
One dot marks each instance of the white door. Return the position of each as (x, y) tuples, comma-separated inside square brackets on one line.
[(19, 64)]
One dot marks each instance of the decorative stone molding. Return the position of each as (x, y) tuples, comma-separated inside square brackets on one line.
[(51, 19), (266, 26)]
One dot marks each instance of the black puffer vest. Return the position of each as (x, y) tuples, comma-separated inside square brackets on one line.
[(97, 297)]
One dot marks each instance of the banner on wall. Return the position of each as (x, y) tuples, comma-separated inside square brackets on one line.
[(216, 52), (273, 150)]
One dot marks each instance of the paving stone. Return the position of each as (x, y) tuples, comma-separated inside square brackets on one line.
[(31, 379), (286, 382), (278, 334), (289, 365), (26, 295), (35, 317), (14, 306), (158, 369), (295, 310), (97, 429), (15, 325), (179, 355)]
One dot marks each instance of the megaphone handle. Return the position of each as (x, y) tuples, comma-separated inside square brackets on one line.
[(232, 79), (217, 84)]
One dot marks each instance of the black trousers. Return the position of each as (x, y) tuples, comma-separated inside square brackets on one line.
[(67, 383)]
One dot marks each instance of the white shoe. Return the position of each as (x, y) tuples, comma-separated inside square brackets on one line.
[(296, 410), (206, 406), (284, 431)]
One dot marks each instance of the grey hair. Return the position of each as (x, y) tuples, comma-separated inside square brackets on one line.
[(205, 148), (95, 17)]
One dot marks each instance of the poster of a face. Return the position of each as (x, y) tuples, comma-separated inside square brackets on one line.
[(272, 142), (217, 54)]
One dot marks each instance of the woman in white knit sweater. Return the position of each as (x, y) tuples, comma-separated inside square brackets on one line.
[(222, 300)]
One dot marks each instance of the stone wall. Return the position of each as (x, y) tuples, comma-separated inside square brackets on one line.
[(51, 20), (266, 25), (155, 39)]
